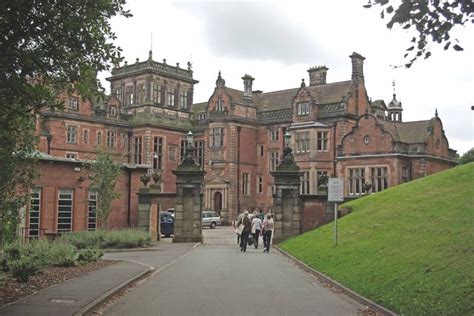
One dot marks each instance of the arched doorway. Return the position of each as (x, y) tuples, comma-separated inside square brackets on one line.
[(217, 202)]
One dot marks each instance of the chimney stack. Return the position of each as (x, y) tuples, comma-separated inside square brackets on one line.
[(357, 67), (248, 80), (317, 75)]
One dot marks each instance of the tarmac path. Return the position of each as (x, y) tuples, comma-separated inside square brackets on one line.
[(217, 279)]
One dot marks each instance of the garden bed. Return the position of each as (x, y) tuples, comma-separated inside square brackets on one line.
[(12, 290)]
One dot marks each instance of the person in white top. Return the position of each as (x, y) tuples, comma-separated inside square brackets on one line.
[(267, 232), (256, 227)]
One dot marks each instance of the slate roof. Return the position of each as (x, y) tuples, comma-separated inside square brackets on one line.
[(277, 104), (275, 100), (379, 104), (415, 132), (199, 107), (331, 92)]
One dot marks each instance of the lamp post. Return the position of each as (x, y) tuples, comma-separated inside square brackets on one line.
[(287, 139), (189, 138), (188, 160)]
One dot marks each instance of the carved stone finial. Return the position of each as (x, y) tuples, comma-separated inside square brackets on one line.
[(190, 65), (177, 65), (302, 83), (156, 177), (137, 60), (145, 179), (150, 55), (164, 60), (436, 112), (220, 81)]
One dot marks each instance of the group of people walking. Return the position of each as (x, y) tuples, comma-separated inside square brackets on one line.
[(250, 227)]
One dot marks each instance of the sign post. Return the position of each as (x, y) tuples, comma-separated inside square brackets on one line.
[(335, 194)]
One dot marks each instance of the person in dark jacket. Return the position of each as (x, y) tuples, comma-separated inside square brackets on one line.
[(244, 238)]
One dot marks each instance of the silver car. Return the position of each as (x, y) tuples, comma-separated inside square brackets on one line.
[(210, 219)]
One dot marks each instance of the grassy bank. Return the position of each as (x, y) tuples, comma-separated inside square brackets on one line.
[(409, 248)]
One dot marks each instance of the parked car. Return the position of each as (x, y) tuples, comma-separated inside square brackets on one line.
[(166, 224), (210, 219)]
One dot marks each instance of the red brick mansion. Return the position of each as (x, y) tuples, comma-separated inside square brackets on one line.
[(238, 137)]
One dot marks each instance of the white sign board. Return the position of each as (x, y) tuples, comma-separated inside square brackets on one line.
[(336, 190)]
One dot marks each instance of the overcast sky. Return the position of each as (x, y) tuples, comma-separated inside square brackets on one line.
[(277, 41)]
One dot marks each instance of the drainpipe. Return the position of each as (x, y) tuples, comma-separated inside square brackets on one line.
[(238, 169), (49, 138), (129, 172), (334, 149)]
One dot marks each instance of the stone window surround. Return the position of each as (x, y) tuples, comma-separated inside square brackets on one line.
[(322, 143), (305, 184), (73, 103), (274, 135), (71, 134), (259, 186), (303, 108), (71, 155), (367, 175)]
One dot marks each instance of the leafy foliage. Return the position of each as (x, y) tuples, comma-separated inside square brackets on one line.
[(104, 175), (433, 20), (467, 157), (62, 255), (47, 47), (89, 255), (123, 238)]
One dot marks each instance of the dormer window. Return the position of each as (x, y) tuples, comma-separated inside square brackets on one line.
[(73, 103), (220, 105), (303, 108), (112, 111)]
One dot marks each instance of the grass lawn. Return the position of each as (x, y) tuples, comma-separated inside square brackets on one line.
[(409, 248)]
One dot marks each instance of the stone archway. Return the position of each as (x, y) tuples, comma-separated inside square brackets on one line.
[(217, 202)]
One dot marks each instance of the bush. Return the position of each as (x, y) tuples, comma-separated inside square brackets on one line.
[(124, 238), (25, 267), (62, 255), (89, 255), (127, 238), (84, 239)]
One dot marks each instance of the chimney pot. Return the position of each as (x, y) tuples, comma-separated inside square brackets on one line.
[(317, 75)]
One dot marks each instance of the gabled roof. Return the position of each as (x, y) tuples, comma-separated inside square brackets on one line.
[(275, 100), (409, 132), (331, 92), (236, 95)]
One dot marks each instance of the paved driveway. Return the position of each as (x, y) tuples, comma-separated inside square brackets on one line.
[(217, 279)]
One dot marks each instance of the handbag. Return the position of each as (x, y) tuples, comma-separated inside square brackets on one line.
[(239, 229)]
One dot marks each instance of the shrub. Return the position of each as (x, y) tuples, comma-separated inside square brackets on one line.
[(84, 239), (124, 238), (24, 268), (89, 255), (62, 255)]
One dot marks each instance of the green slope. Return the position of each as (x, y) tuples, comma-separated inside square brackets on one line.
[(409, 248)]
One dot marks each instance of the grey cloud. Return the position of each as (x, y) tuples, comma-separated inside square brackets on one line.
[(259, 31)]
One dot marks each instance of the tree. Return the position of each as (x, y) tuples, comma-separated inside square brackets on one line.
[(433, 20), (467, 157), (47, 47), (104, 173)]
